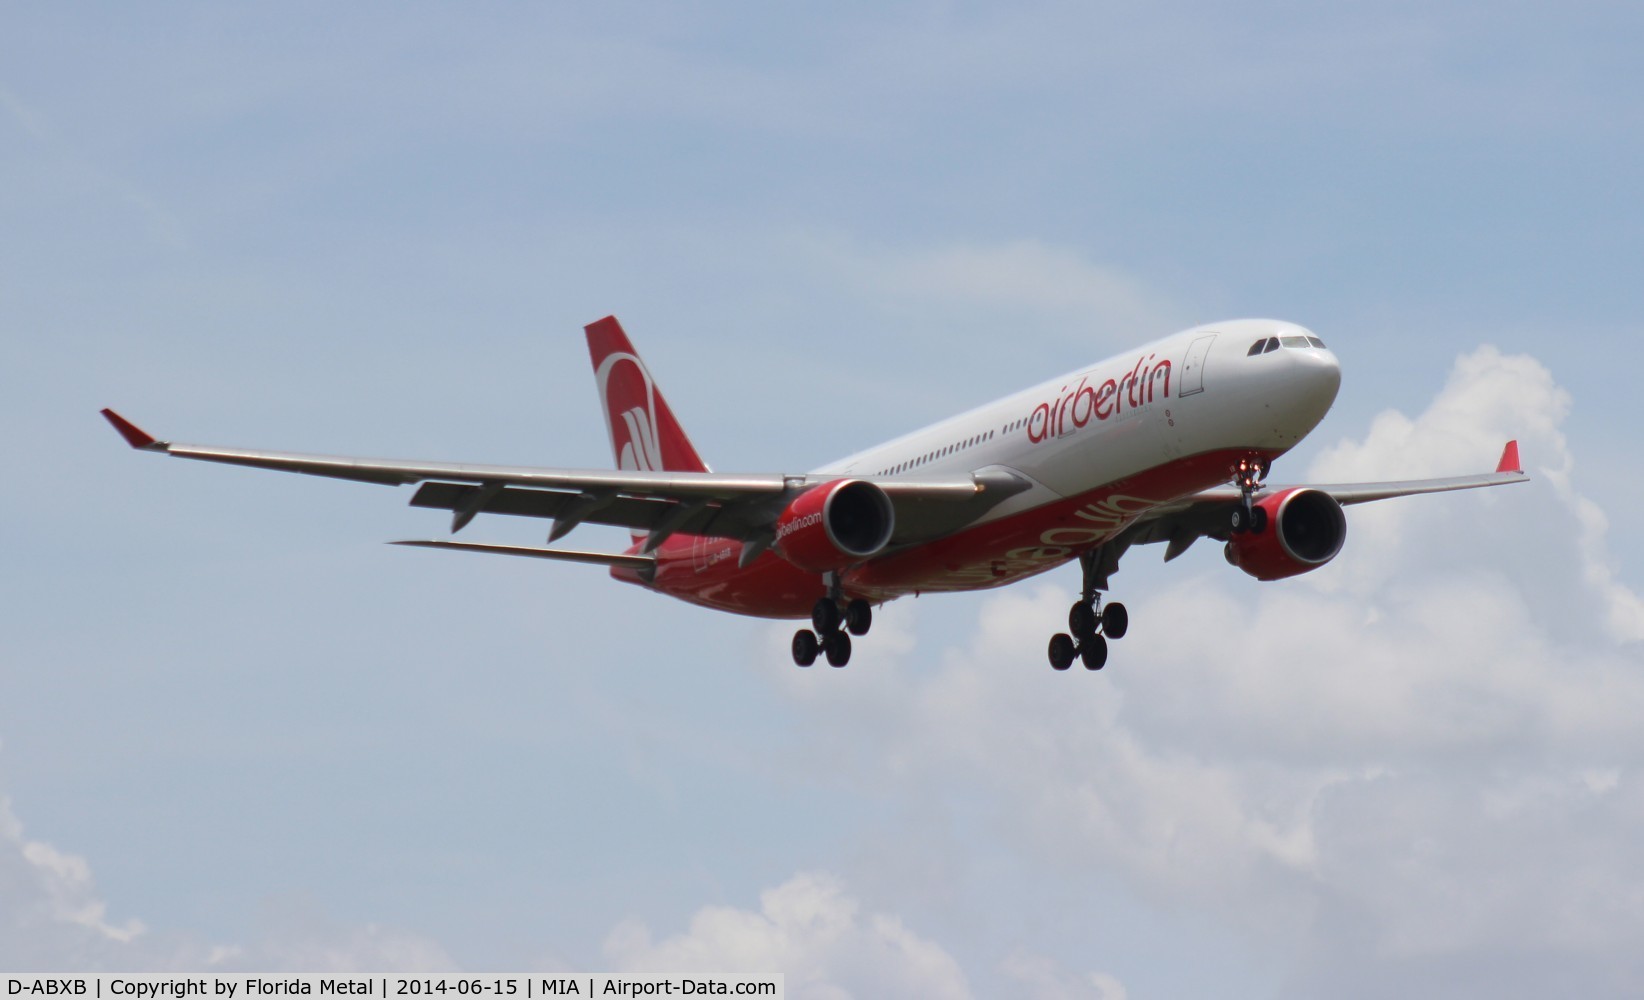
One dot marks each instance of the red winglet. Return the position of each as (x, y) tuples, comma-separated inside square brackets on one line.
[(1509, 459), (134, 435)]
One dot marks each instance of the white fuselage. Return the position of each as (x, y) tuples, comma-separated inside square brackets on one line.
[(1194, 392)]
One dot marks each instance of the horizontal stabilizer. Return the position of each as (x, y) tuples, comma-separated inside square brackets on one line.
[(568, 555)]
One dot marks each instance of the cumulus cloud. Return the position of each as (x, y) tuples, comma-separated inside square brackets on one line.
[(1419, 768), (52, 919), (49, 906), (1488, 398), (808, 928)]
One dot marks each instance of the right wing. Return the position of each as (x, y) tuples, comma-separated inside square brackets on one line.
[(739, 507)]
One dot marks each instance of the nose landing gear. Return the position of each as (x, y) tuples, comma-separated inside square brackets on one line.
[(1248, 476)]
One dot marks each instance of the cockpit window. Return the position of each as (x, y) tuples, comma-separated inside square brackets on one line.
[(1273, 344)]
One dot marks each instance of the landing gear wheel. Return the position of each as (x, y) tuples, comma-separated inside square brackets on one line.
[(1094, 653), (858, 617), (838, 647), (1115, 621), (1247, 476), (1062, 651), (804, 647), (825, 617), (1081, 621)]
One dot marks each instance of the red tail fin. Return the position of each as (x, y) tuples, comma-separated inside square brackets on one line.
[(645, 437)]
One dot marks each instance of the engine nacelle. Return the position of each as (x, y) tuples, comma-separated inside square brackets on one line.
[(1305, 529), (835, 525)]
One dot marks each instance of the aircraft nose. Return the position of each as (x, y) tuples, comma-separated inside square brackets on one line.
[(1314, 379), (1322, 372)]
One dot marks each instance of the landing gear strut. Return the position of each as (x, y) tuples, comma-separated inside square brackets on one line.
[(835, 620), (1248, 475), (1091, 625)]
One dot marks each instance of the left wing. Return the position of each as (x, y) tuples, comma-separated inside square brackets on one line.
[(740, 507), (1204, 514), (1507, 471)]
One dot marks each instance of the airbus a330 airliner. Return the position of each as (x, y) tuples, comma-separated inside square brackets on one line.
[(1167, 443)]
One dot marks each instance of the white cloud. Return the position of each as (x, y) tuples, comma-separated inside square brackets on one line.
[(808, 928), (1489, 398), (53, 919), (47, 902)]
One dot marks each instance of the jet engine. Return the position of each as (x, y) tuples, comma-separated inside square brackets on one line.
[(1305, 529), (835, 525)]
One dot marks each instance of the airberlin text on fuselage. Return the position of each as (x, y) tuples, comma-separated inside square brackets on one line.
[(1075, 408)]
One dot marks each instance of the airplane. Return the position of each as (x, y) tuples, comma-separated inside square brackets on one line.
[(1166, 443)]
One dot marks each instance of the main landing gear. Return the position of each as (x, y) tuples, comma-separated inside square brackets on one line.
[(835, 621), (1091, 624)]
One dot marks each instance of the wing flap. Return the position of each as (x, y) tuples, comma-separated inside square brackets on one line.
[(641, 513)]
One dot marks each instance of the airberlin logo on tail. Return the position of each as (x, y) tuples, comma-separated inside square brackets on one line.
[(1076, 407), (642, 453), (629, 396)]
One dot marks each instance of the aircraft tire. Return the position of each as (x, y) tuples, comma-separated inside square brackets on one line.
[(1062, 651), (804, 647), (1081, 621), (1115, 621), (825, 617), (858, 617), (1094, 653), (838, 647)]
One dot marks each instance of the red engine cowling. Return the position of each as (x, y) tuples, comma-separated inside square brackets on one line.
[(1305, 530), (835, 525)]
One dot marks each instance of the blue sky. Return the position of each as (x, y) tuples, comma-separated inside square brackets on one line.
[(236, 728)]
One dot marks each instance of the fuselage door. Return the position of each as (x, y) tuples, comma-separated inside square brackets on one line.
[(1193, 365)]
